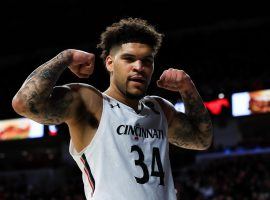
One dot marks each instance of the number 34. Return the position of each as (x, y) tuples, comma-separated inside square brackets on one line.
[(155, 159)]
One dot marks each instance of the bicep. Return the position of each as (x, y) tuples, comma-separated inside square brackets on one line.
[(58, 108), (181, 132)]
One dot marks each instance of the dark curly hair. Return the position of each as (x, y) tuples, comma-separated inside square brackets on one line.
[(129, 30)]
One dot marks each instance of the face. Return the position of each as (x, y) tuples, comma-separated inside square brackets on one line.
[(131, 67)]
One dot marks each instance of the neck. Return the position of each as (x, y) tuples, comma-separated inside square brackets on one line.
[(119, 96)]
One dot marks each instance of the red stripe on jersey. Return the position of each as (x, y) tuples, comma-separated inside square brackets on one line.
[(88, 175)]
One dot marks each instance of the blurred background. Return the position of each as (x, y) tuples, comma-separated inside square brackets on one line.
[(225, 49)]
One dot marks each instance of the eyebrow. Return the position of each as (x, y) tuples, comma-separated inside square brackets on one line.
[(131, 55)]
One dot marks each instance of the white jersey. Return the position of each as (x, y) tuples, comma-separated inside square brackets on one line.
[(128, 158)]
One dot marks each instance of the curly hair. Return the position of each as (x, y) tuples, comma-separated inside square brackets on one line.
[(129, 30)]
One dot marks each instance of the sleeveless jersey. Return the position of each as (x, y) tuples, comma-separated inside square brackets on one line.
[(128, 158)]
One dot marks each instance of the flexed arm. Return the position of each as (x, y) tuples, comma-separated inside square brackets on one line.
[(192, 130), (39, 100)]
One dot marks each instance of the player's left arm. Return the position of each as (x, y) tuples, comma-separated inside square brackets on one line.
[(192, 130)]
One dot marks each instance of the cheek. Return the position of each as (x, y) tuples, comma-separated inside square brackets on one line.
[(120, 75), (123, 71), (149, 71), (122, 67)]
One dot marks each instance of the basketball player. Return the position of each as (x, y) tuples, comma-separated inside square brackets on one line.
[(119, 137)]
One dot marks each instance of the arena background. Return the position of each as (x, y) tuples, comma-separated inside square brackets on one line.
[(223, 47)]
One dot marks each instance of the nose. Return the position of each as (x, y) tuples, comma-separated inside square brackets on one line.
[(138, 65)]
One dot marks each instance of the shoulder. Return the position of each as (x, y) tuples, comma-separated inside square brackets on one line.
[(85, 91), (165, 105), (163, 102), (82, 86), (91, 98)]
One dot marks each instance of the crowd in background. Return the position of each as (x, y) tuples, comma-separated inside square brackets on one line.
[(231, 178), (46, 184), (242, 177)]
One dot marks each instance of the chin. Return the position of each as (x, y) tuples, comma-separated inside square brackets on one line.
[(135, 95)]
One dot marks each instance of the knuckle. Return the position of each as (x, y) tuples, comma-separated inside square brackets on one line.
[(91, 56), (182, 71)]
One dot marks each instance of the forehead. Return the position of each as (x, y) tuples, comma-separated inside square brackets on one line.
[(136, 49)]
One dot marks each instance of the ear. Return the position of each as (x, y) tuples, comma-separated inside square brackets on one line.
[(109, 63)]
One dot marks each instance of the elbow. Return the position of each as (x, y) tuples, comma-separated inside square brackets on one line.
[(207, 142), (18, 105), (205, 147), (202, 147)]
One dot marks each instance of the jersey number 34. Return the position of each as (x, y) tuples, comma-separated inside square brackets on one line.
[(155, 159)]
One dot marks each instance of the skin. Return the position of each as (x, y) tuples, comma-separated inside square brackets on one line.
[(131, 66), (192, 130), (132, 61)]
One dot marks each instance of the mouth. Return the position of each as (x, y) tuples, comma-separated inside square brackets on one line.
[(138, 79)]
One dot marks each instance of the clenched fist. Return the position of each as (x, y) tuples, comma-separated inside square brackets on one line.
[(174, 80), (81, 63)]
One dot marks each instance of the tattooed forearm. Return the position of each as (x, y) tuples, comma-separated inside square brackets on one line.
[(49, 74), (37, 91), (185, 134), (32, 74), (195, 129), (60, 59)]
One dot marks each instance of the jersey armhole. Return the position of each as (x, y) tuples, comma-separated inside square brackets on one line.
[(72, 149), (161, 110)]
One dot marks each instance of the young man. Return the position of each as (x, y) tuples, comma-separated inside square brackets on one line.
[(119, 138)]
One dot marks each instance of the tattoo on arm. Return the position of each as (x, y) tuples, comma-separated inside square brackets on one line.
[(194, 129), (196, 111), (32, 74), (43, 101), (57, 106)]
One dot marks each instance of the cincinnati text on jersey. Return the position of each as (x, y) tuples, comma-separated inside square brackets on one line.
[(140, 132)]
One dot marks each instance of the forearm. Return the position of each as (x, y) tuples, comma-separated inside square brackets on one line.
[(192, 130), (197, 114), (38, 86)]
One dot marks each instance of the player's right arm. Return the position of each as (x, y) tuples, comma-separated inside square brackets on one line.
[(40, 100)]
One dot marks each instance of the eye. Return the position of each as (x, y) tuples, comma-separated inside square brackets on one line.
[(129, 59), (147, 61)]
